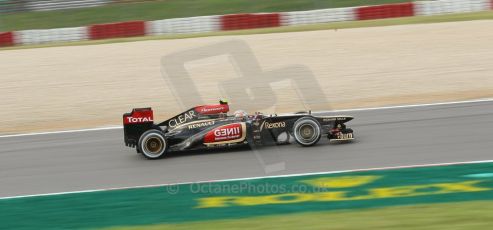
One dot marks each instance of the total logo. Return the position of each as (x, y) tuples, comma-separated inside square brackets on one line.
[(227, 133), (132, 120)]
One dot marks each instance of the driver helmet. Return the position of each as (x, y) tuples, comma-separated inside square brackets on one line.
[(223, 101), (240, 114)]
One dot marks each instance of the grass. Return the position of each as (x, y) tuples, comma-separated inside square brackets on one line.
[(325, 26), (164, 9), (450, 216)]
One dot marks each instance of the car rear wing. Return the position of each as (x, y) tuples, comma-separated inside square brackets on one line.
[(135, 123)]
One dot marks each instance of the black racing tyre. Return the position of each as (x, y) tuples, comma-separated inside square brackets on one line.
[(307, 131), (152, 144)]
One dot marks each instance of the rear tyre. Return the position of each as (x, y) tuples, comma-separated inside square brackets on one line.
[(152, 144), (307, 131)]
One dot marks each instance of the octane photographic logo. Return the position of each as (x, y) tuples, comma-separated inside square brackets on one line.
[(250, 90)]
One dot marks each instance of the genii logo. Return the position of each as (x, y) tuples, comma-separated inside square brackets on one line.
[(226, 134)]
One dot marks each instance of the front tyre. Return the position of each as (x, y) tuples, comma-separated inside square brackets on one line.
[(307, 131), (152, 144)]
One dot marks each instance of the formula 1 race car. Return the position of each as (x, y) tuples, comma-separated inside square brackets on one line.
[(209, 126)]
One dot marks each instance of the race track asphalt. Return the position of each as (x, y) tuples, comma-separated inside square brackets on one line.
[(89, 160)]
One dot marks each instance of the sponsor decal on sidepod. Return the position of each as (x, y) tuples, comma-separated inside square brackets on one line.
[(224, 133)]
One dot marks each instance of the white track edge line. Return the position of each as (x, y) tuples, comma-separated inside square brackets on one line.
[(412, 105), (329, 111), (253, 178), (62, 131)]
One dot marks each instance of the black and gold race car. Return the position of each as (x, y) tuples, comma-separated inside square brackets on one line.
[(209, 126)]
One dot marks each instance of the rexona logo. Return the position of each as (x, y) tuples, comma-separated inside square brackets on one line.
[(276, 125), (226, 133)]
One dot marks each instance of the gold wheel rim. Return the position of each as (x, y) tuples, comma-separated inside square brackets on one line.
[(154, 145), (307, 131)]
